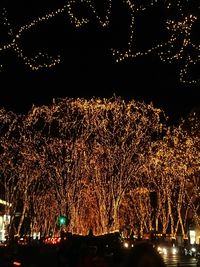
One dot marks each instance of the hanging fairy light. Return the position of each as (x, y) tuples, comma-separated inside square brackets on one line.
[(179, 28)]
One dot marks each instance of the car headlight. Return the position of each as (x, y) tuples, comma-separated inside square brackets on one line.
[(126, 244), (174, 251), (164, 251)]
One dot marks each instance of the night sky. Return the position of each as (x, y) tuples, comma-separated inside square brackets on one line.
[(87, 67)]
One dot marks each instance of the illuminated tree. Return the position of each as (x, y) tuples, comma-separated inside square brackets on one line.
[(191, 126), (98, 162), (10, 178), (65, 130), (120, 142), (136, 211), (172, 163), (99, 144), (29, 168), (46, 211)]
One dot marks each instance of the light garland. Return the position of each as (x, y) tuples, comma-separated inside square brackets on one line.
[(97, 161), (168, 51)]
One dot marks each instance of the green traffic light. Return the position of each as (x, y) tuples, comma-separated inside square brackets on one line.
[(62, 220)]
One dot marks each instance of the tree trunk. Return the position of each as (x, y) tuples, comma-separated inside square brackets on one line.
[(21, 220)]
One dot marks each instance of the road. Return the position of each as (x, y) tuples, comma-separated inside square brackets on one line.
[(180, 261), (47, 256)]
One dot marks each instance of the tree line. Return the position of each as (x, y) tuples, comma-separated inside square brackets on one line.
[(98, 162)]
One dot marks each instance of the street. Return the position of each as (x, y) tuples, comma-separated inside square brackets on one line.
[(46, 255), (180, 261)]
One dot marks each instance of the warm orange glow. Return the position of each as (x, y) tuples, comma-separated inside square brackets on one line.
[(97, 161), (17, 263)]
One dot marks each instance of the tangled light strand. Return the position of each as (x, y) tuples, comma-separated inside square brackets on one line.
[(178, 28)]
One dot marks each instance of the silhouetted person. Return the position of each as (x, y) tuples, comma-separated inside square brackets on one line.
[(144, 255), (90, 233)]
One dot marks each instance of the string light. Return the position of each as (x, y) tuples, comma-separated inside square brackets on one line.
[(97, 160), (168, 51), (32, 62)]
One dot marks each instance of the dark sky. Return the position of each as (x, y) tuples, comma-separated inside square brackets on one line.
[(87, 66)]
